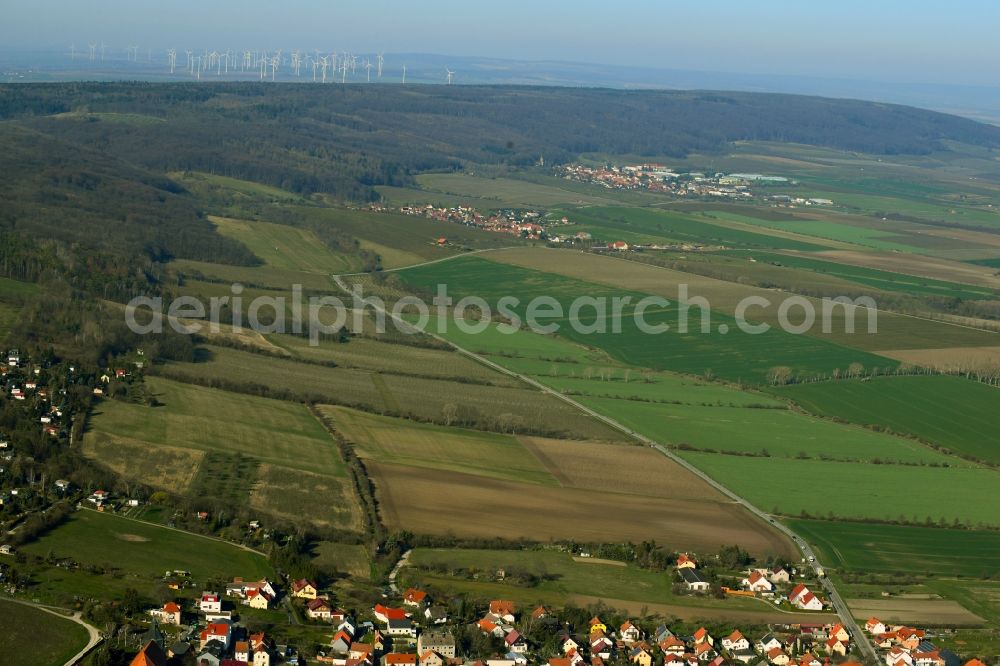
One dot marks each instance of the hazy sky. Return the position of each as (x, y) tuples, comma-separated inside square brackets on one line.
[(954, 41)]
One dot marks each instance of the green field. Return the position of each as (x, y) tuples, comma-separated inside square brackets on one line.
[(403, 442), (871, 277), (651, 226), (146, 550), (508, 191), (952, 412), (734, 355), (781, 433), (897, 548), (858, 490), (33, 637)]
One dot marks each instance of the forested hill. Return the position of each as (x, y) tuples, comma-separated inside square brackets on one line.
[(87, 163), (344, 139)]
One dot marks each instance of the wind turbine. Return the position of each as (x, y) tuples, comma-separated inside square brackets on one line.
[(368, 67), (72, 51), (93, 52), (381, 60), (450, 75), (404, 74)]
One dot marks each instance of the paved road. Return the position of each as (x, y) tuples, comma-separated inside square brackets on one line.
[(846, 617), (94, 636)]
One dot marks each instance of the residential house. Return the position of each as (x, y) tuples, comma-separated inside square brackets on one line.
[(414, 597), (431, 658), (684, 561), (897, 656), (779, 575), (515, 642), (629, 633), (673, 645), (767, 643), (399, 659), (834, 646), (802, 598), (694, 581), (539, 613), (757, 582), (596, 624), (735, 641), (778, 657), (601, 645), (319, 609), (705, 652), (215, 631), (840, 633), (258, 599), (702, 636), (386, 613), (241, 651), (504, 609), (210, 602), (441, 642), (641, 656), (931, 658), (340, 643), (436, 614), (304, 589), (875, 627), (401, 628), (169, 614)]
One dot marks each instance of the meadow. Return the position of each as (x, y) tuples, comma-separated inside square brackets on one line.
[(145, 550), (285, 247), (898, 548), (33, 637), (954, 413), (508, 191)]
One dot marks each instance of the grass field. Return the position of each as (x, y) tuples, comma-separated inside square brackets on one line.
[(146, 550), (858, 490), (285, 247), (952, 412), (394, 394), (403, 442), (33, 637), (268, 454), (898, 548)]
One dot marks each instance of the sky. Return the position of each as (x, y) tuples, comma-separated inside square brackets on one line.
[(912, 41)]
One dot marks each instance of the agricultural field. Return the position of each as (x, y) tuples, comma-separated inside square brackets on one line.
[(954, 413), (383, 392), (403, 442), (736, 356), (771, 432), (565, 580), (33, 637), (197, 435), (859, 490), (902, 548), (145, 550), (918, 612), (652, 226), (871, 277), (894, 331)]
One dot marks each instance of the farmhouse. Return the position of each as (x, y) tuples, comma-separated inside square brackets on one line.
[(694, 580), (414, 597), (684, 561), (304, 589), (169, 614), (319, 609)]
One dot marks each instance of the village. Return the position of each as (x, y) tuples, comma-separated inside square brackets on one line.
[(414, 627), (660, 179)]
